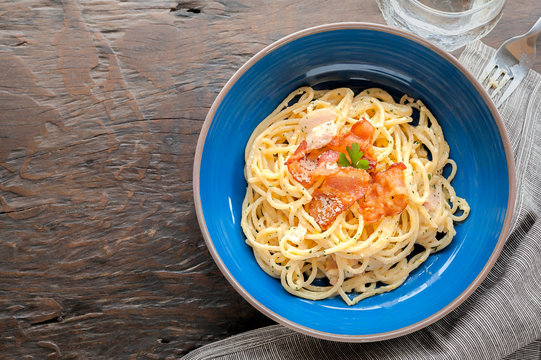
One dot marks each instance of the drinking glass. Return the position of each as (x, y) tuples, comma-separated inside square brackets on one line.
[(450, 24)]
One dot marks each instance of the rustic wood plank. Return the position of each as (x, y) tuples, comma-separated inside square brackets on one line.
[(102, 103)]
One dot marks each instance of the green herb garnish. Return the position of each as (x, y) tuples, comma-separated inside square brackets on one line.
[(355, 158)]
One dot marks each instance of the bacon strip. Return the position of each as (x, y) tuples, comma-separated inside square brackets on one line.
[(298, 154), (307, 168), (337, 193), (362, 133), (387, 194)]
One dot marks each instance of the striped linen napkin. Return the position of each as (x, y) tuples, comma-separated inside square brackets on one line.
[(500, 320)]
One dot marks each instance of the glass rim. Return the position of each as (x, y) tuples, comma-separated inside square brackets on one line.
[(456, 13)]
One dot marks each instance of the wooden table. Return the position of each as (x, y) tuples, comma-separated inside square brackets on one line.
[(101, 104)]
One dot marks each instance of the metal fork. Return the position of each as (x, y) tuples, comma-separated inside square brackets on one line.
[(510, 64)]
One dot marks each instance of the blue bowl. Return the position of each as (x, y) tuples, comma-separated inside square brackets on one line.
[(359, 55)]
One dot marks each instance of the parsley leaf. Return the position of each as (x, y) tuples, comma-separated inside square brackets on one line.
[(355, 158), (355, 153), (363, 164), (342, 160)]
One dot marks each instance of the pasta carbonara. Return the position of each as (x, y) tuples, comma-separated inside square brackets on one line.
[(345, 196)]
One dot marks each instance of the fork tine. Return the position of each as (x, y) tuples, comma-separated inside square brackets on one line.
[(512, 86), (487, 70), (493, 79), (501, 84)]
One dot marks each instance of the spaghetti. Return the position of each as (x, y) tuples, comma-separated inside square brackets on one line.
[(324, 239)]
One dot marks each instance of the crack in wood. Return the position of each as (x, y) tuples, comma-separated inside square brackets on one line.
[(187, 6), (54, 320)]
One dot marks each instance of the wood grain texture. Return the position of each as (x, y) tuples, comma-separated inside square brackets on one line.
[(101, 104)]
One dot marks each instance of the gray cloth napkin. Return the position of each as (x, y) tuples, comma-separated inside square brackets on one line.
[(502, 319)]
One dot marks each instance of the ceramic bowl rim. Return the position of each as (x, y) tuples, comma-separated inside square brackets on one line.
[(347, 337)]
